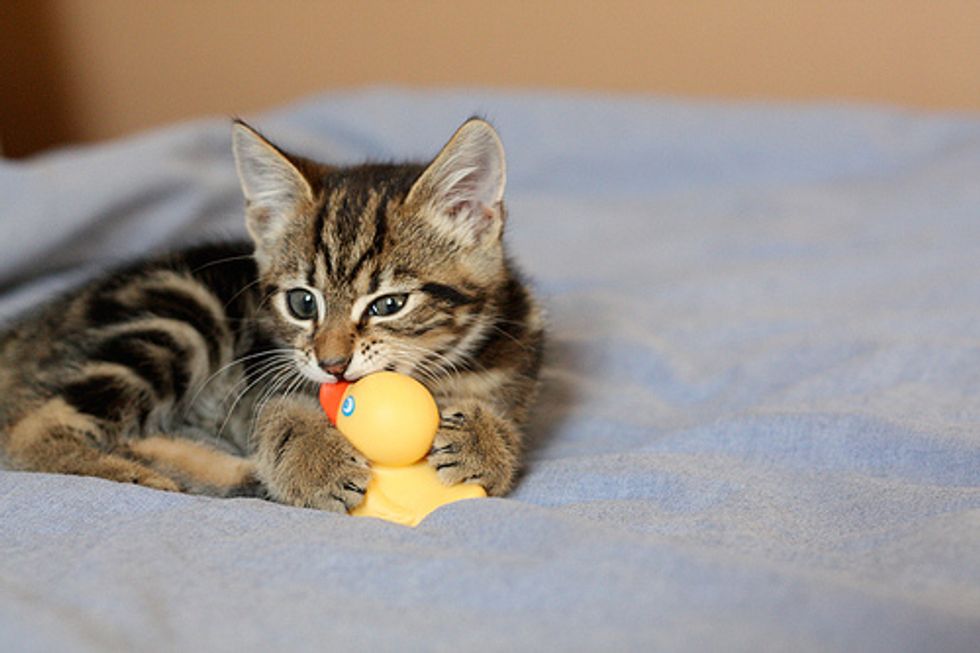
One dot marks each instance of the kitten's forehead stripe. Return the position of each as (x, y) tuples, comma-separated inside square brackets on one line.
[(353, 227), (333, 237), (318, 225), (319, 243), (378, 239), (347, 220)]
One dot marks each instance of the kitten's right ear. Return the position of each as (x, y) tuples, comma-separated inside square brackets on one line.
[(464, 185), (274, 188)]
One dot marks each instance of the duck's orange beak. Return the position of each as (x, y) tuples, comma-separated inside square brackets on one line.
[(330, 396)]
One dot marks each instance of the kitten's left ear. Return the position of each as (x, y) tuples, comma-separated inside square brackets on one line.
[(275, 190), (463, 187)]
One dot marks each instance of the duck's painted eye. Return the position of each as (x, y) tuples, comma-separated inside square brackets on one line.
[(347, 408), (301, 303), (387, 305)]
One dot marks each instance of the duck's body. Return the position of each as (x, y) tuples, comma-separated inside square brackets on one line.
[(392, 419), (405, 495)]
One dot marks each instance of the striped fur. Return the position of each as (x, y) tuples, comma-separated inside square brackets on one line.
[(191, 371)]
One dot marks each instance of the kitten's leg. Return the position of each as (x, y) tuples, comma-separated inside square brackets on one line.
[(58, 439), (475, 444), (201, 468), (304, 461)]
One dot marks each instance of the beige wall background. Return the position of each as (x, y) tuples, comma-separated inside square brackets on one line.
[(84, 70)]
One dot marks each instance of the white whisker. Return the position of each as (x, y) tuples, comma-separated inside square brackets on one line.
[(234, 362), (283, 365), (227, 259), (270, 393)]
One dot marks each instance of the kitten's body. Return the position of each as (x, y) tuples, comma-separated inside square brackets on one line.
[(198, 371)]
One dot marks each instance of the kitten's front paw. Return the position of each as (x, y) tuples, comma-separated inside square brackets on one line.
[(471, 446), (322, 473)]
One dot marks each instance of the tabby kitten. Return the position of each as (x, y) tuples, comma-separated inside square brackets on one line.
[(198, 371)]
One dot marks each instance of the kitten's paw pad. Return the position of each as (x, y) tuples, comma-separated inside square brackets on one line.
[(454, 421), (337, 486), (341, 497), (453, 458), (467, 449)]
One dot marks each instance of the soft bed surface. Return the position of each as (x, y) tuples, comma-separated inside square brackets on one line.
[(760, 426)]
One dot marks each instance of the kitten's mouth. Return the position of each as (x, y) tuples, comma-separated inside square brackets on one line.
[(349, 377), (332, 379), (316, 374)]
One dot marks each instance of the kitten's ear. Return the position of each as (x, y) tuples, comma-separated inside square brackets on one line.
[(273, 186), (463, 187)]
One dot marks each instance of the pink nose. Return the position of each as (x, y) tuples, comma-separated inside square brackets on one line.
[(335, 366)]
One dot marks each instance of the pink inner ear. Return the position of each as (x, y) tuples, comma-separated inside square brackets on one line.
[(457, 208), (262, 224), (472, 217), (261, 217)]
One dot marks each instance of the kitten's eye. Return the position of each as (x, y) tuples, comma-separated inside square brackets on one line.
[(301, 303), (387, 305)]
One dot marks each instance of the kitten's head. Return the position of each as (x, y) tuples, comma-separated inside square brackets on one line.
[(377, 266)]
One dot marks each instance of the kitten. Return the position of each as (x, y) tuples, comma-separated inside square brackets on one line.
[(197, 371)]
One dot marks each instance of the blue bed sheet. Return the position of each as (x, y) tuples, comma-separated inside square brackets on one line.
[(759, 429)]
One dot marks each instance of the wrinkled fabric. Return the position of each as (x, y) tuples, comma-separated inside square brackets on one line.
[(759, 427)]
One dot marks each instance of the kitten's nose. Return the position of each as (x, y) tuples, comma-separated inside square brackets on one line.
[(335, 366)]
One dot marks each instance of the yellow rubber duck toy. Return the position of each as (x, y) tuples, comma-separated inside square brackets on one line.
[(392, 419)]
